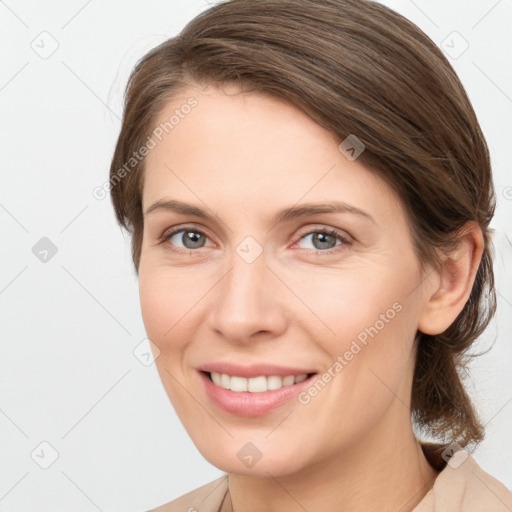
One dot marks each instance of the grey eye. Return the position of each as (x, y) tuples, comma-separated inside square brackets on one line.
[(191, 239), (321, 240)]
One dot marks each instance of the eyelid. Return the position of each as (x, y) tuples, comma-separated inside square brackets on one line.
[(326, 229)]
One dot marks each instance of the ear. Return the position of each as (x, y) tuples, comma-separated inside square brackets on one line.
[(453, 282)]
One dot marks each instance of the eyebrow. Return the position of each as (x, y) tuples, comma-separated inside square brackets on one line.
[(286, 214)]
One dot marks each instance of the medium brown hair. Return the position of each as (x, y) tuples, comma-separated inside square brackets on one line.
[(355, 67)]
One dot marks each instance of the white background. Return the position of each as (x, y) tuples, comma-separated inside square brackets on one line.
[(68, 327)]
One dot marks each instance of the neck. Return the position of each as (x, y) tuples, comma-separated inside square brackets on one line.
[(383, 472)]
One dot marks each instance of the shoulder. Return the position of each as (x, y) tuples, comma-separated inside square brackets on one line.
[(464, 485), (207, 498)]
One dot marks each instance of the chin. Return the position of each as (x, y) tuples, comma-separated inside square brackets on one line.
[(253, 458)]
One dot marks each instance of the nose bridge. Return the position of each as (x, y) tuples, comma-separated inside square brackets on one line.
[(244, 302)]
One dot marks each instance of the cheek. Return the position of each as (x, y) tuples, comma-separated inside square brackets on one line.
[(161, 308), (169, 299), (371, 319), (153, 302), (164, 306), (354, 303)]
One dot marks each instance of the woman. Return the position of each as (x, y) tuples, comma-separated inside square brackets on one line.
[(309, 196)]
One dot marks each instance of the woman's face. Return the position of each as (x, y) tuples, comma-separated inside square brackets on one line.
[(254, 283)]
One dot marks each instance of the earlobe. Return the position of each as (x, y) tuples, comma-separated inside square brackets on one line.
[(455, 282)]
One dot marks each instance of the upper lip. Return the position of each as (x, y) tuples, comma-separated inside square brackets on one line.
[(253, 370)]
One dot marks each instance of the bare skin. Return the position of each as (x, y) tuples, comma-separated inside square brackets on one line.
[(242, 158)]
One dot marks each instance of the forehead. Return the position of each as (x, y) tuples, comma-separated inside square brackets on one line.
[(252, 151)]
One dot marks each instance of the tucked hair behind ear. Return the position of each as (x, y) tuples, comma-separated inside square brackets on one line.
[(355, 67)]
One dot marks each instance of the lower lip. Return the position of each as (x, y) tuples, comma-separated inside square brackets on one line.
[(245, 403)]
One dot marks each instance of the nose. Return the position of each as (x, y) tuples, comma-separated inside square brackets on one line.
[(248, 303)]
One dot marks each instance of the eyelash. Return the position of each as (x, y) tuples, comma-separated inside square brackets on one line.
[(327, 231)]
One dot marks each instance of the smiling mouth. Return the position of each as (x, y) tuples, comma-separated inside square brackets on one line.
[(259, 384)]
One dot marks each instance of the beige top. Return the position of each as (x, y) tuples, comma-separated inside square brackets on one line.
[(461, 486)]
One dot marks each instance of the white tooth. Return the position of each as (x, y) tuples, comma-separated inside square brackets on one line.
[(224, 380), (238, 383), (274, 382), (288, 380), (257, 384)]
